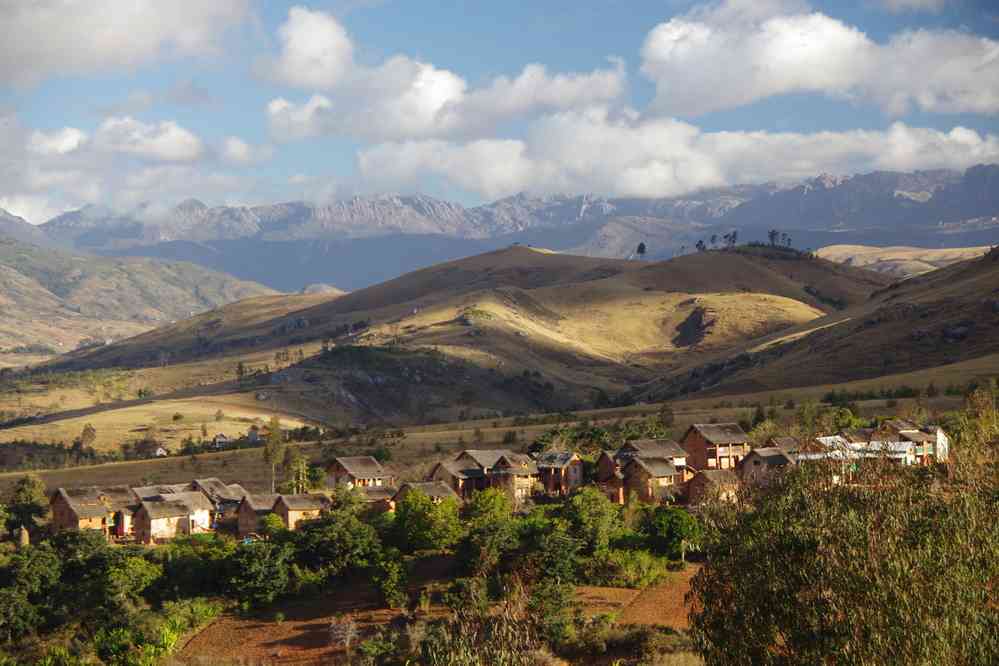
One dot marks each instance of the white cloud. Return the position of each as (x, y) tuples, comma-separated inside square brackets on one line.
[(402, 97), (737, 52), (165, 141), (316, 51), (627, 155), (57, 37), (899, 6), (59, 142), (239, 152)]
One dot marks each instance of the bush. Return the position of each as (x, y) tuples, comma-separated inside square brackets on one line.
[(629, 568)]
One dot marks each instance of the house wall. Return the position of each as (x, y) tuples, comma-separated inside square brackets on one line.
[(63, 517), (696, 447), (605, 468), (200, 521), (160, 529), (636, 482), (698, 450), (247, 520), (699, 489)]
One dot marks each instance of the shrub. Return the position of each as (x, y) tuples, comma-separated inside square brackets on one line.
[(629, 568)]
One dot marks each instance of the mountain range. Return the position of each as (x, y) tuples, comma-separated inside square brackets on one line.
[(359, 241)]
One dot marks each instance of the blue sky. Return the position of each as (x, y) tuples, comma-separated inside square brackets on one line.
[(242, 102)]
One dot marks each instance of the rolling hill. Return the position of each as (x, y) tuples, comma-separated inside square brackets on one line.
[(944, 317), (899, 261), (514, 330), (52, 301)]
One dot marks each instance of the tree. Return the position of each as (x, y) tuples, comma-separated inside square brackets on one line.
[(27, 502), (773, 235), (422, 523), (274, 447), (641, 250), (714, 240), (337, 543), (671, 531), (240, 370), (803, 570), (296, 471), (258, 571), (701, 247), (88, 436), (219, 415), (666, 416), (492, 532), (594, 520), (759, 416)]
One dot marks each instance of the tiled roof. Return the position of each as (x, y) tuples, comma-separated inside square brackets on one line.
[(720, 477), (656, 467), (94, 501), (261, 502), (484, 458), (515, 463), (362, 467), (651, 448), (554, 459), (306, 501), (773, 456), (378, 493), (721, 433)]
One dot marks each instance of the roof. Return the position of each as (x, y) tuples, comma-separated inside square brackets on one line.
[(720, 477), (361, 467), (171, 505), (721, 433), (656, 467), (95, 501), (899, 425), (773, 456), (857, 435), (460, 471), (918, 436), (484, 458), (554, 459), (305, 501), (378, 493), (219, 491), (651, 448), (433, 489), (147, 492), (787, 443), (515, 463), (261, 502)]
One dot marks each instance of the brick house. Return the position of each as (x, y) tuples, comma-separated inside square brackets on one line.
[(761, 464), (225, 497), (357, 471), (710, 483), (108, 509), (559, 472), (715, 445), (437, 491), (293, 509), (463, 478), (379, 498), (610, 476), (516, 474), (164, 517), (651, 479), (251, 512)]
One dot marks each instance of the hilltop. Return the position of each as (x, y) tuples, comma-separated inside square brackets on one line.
[(899, 261), (53, 301)]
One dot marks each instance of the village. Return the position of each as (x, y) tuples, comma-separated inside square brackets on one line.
[(710, 461)]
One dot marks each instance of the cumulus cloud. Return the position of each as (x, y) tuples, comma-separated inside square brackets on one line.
[(739, 51), (57, 37), (165, 141), (123, 163), (402, 97), (237, 151), (627, 155)]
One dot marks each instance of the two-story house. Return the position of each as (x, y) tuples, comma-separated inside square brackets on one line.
[(715, 445)]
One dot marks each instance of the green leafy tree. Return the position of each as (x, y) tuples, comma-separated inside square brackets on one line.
[(424, 524), (296, 471), (593, 518), (274, 447), (271, 526), (390, 577), (258, 571), (492, 532), (892, 568), (27, 503), (671, 531), (337, 543)]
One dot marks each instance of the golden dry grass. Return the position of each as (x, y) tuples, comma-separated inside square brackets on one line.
[(899, 260)]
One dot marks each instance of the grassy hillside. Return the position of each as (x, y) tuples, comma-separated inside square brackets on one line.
[(899, 261), (513, 331), (54, 300), (935, 320)]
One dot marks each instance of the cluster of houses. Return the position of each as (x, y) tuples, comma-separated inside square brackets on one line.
[(709, 460)]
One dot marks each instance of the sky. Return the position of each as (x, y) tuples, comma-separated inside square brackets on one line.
[(128, 103)]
